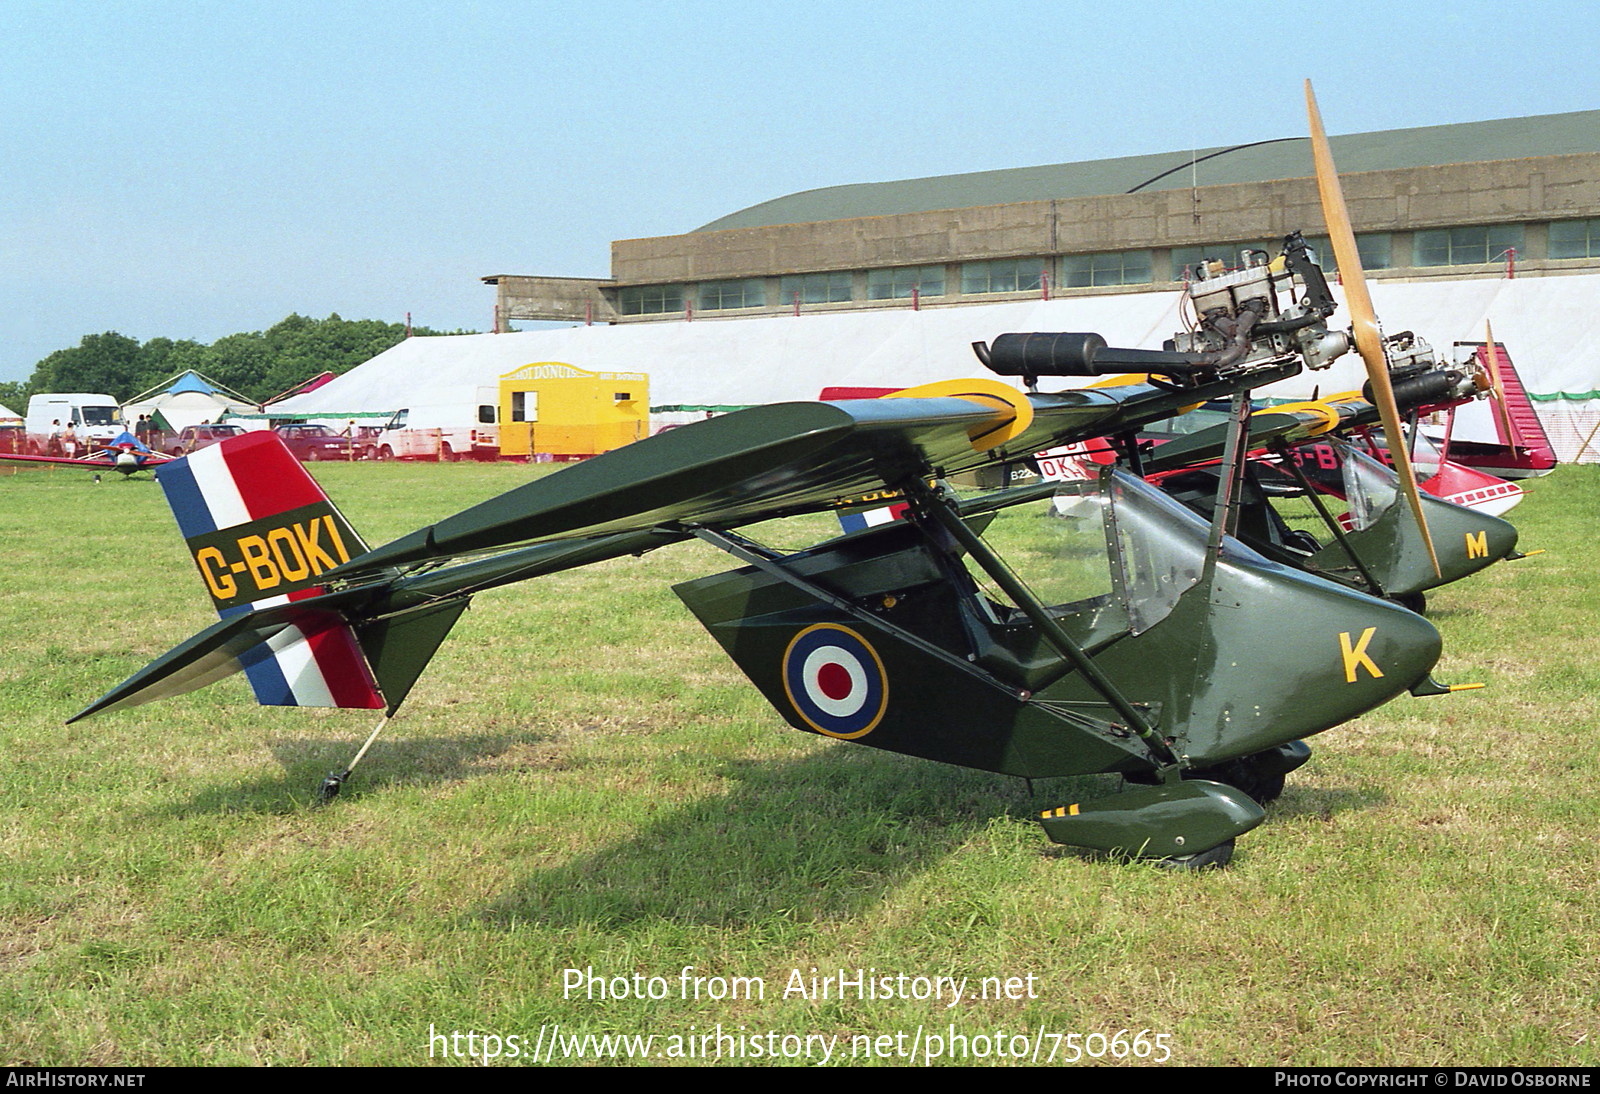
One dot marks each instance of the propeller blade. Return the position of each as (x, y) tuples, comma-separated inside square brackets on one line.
[(1497, 390), (1363, 319)]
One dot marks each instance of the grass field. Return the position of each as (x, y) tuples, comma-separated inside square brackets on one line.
[(582, 780)]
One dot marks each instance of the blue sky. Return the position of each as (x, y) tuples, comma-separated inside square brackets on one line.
[(194, 169)]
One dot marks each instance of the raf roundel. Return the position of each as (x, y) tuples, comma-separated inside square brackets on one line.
[(835, 681)]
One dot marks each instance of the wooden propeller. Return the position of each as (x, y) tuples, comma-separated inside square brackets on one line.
[(1363, 320)]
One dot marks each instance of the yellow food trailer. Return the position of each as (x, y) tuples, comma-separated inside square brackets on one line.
[(555, 409)]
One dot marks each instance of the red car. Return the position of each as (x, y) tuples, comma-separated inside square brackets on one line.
[(310, 443), (195, 437)]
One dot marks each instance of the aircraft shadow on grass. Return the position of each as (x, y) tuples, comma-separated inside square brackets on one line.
[(404, 760), (816, 838), (807, 840)]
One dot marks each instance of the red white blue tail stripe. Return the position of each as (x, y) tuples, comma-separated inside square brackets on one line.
[(261, 532)]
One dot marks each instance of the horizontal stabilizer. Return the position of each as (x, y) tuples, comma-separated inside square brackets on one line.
[(216, 652), (292, 640)]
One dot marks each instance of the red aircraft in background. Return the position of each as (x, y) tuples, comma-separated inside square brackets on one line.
[(125, 455)]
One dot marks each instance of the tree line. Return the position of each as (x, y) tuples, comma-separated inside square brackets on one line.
[(257, 365)]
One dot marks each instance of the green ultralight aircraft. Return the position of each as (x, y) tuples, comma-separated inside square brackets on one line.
[(1374, 546), (1155, 646)]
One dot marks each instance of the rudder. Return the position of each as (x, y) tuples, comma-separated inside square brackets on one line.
[(261, 533)]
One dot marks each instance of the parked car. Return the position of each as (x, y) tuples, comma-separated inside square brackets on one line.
[(310, 443), (195, 437)]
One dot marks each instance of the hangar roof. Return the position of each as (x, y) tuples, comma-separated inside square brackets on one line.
[(1285, 157)]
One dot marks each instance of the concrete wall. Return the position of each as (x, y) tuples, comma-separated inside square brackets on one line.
[(1474, 193), (1528, 191), (578, 299)]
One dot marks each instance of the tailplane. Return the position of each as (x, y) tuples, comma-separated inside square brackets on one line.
[(262, 533)]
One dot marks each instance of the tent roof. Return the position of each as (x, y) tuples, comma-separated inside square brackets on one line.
[(1550, 325), (189, 382)]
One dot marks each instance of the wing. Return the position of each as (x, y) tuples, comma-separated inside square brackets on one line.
[(782, 459), (1292, 423), (99, 458)]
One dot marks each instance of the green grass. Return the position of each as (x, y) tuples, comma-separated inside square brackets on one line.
[(583, 779)]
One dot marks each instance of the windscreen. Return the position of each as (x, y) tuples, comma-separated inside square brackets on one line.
[(1113, 550), (1369, 487), (1159, 549), (97, 415)]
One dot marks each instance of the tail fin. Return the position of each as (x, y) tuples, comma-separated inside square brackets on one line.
[(262, 532)]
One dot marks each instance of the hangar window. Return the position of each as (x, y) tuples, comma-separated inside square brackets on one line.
[(1575, 238), (747, 292), (898, 283), (1106, 268), (1375, 248), (650, 299), (817, 288), (1003, 275), (1467, 246)]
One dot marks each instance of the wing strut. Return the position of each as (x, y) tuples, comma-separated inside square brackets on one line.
[(751, 554)]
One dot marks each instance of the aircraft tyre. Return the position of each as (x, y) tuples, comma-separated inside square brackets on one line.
[(1216, 858), (1261, 774), (1412, 602), (1262, 785)]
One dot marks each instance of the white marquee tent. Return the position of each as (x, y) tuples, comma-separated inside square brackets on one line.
[(1550, 326)]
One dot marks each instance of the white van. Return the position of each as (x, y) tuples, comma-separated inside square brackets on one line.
[(95, 420), (457, 431)]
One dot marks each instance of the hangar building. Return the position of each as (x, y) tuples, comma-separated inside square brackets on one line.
[(1476, 200)]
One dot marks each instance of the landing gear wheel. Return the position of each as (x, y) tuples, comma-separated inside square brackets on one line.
[(1261, 786), (1413, 602), (1259, 775), (1216, 858), (331, 786)]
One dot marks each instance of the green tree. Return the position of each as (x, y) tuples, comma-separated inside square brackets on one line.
[(14, 395), (257, 364), (104, 363)]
